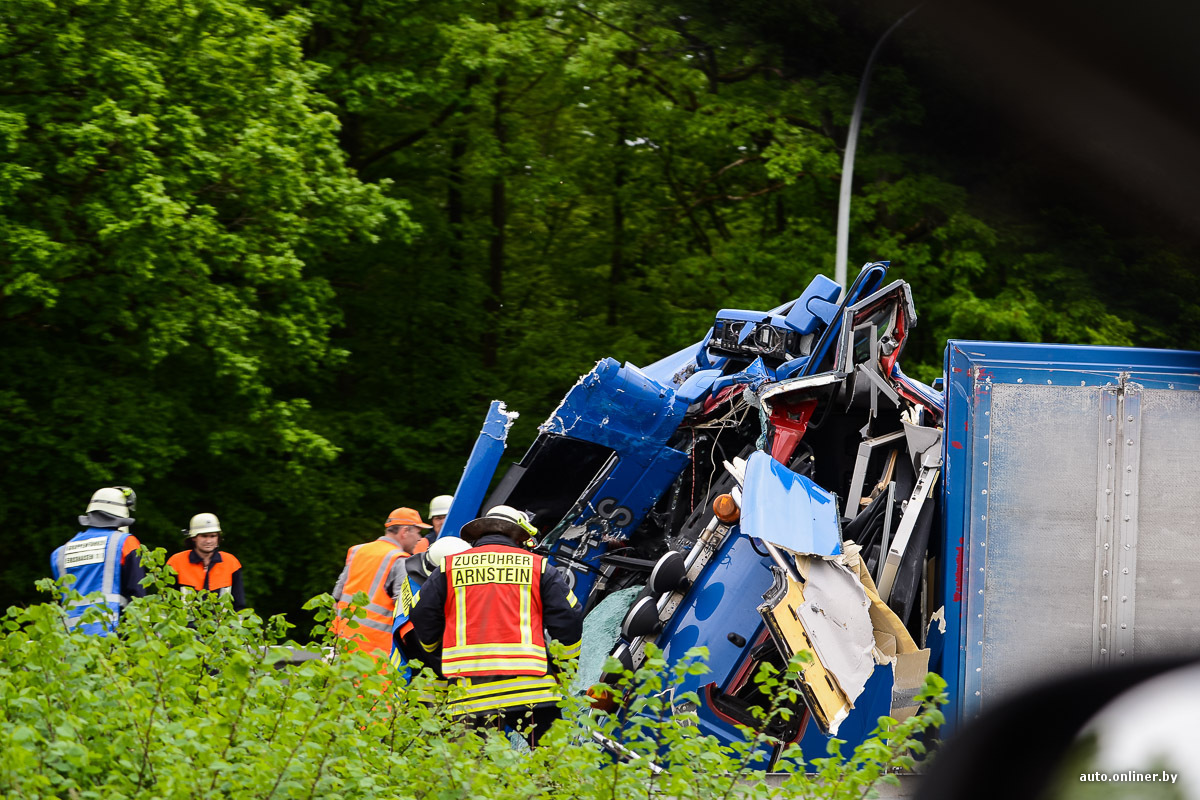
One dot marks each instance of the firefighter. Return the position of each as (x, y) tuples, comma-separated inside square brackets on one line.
[(103, 558), (417, 569), (439, 507), (377, 568), (204, 566), (484, 618)]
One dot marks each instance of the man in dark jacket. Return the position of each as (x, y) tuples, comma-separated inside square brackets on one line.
[(484, 618)]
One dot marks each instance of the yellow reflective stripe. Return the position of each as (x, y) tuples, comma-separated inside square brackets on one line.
[(571, 599), (459, 651), (460, 624), (526, 614), (468, 689), (505, 701), (491, 665), (469, 698), (429, 648), (572, 650)]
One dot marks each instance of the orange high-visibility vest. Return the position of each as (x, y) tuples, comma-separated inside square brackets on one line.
[(369, 565), (493, 614)]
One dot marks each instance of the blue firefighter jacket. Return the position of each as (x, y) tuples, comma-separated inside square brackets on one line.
[(97, 560)]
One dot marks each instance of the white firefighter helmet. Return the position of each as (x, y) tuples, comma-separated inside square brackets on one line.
[(435, 556), (440, 505), (203, 523), (110, 499), (504, 520)]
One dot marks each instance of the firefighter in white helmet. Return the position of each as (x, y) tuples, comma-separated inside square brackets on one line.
[(204, 565), (486, 618), (417, 568), (103, 557), (439, 507)]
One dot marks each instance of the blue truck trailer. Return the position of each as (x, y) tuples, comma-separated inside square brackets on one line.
[(783, 485)]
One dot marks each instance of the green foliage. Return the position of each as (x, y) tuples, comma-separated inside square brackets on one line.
[(187, 701), (169, 174), (274, 259)]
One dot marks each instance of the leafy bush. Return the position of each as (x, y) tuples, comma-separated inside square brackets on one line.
[(186, 701)]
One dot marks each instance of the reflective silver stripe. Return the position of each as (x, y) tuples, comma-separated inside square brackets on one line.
[(61, 558), (381, 573), (119, 599), (373, 607), (386, 627), (111, 554)]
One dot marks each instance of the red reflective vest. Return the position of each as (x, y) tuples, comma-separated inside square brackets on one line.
[(493, 614), (368, 566)]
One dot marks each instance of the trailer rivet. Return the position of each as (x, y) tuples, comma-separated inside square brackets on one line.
[(979, 616), (1048, 383), (1129, 442), (1108, 441), (1127, 493), (1103, 651), (980, 643), (1122, 652), (977, 695), (984, 491), (1108, 466), (1104, 598), (1104, 626), (1105, 572), (1127, 518), (1125, 599), (1020, 381), (981, 569), (985, 463), (984, 517), (981, 591), (1106, 518), (985, 436), (1130, 418), (1126, 547), (1125, 571), (1108, 491), (1110, 419), (1129, 469), (1106, 545), (979, 669), (1123, 626)]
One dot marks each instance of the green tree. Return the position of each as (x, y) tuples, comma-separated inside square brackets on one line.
[(169, 175)]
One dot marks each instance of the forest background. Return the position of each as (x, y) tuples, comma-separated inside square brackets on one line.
[(272, 260)]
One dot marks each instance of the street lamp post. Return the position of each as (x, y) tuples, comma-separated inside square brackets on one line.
[(843, 223)]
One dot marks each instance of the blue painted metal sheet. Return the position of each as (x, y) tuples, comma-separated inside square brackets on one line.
[(481, 466), (723, 600), (621, 408), (788, 510), (815, 307)]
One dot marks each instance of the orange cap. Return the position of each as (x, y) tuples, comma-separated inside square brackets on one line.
[(405, 516)]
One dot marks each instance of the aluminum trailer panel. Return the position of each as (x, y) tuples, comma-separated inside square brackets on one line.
[(1071, 530)]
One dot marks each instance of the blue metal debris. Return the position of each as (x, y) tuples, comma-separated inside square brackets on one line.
[(803, 416)]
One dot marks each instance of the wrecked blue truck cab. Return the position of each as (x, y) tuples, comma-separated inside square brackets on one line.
[(768, 409), (841, 531)]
